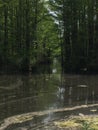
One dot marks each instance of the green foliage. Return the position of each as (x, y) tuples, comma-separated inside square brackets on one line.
[(78, 26), (86, 126), (28, 34), (36, 31)]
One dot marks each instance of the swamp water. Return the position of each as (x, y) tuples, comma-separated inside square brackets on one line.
[(24, 94)]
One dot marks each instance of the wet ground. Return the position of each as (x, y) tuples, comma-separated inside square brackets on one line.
[(37, 120)]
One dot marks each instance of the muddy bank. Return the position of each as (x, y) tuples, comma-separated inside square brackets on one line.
[(34, 120)]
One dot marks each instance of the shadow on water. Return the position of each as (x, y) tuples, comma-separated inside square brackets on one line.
[(23, 94)]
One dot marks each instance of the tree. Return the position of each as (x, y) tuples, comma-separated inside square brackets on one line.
[(23, 45), (79, 34)]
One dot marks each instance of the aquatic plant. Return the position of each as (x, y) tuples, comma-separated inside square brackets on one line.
[(79, 123)]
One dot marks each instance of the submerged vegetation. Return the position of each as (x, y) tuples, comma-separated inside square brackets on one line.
[(79, 123)]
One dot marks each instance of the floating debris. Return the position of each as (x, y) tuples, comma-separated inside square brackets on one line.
[(93, 110), (82, 86), (80, 114), (30, 116)]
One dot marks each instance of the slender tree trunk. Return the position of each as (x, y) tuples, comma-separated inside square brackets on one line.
[(27, 36), (5, 33)]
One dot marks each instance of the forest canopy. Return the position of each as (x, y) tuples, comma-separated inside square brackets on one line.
[(34, 32)]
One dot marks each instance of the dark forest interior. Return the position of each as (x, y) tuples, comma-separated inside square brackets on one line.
[(34, 32)]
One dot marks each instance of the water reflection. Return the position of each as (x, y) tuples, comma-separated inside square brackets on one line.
[(22, 94), (80, 89)]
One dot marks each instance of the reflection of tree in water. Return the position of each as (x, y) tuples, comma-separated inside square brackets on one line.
[(16, 96), (80, 89), (26, 93)]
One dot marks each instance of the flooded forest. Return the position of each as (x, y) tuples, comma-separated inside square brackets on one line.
[(48, 64)]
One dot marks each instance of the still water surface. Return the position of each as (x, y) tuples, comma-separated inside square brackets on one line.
[(22, 94)]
